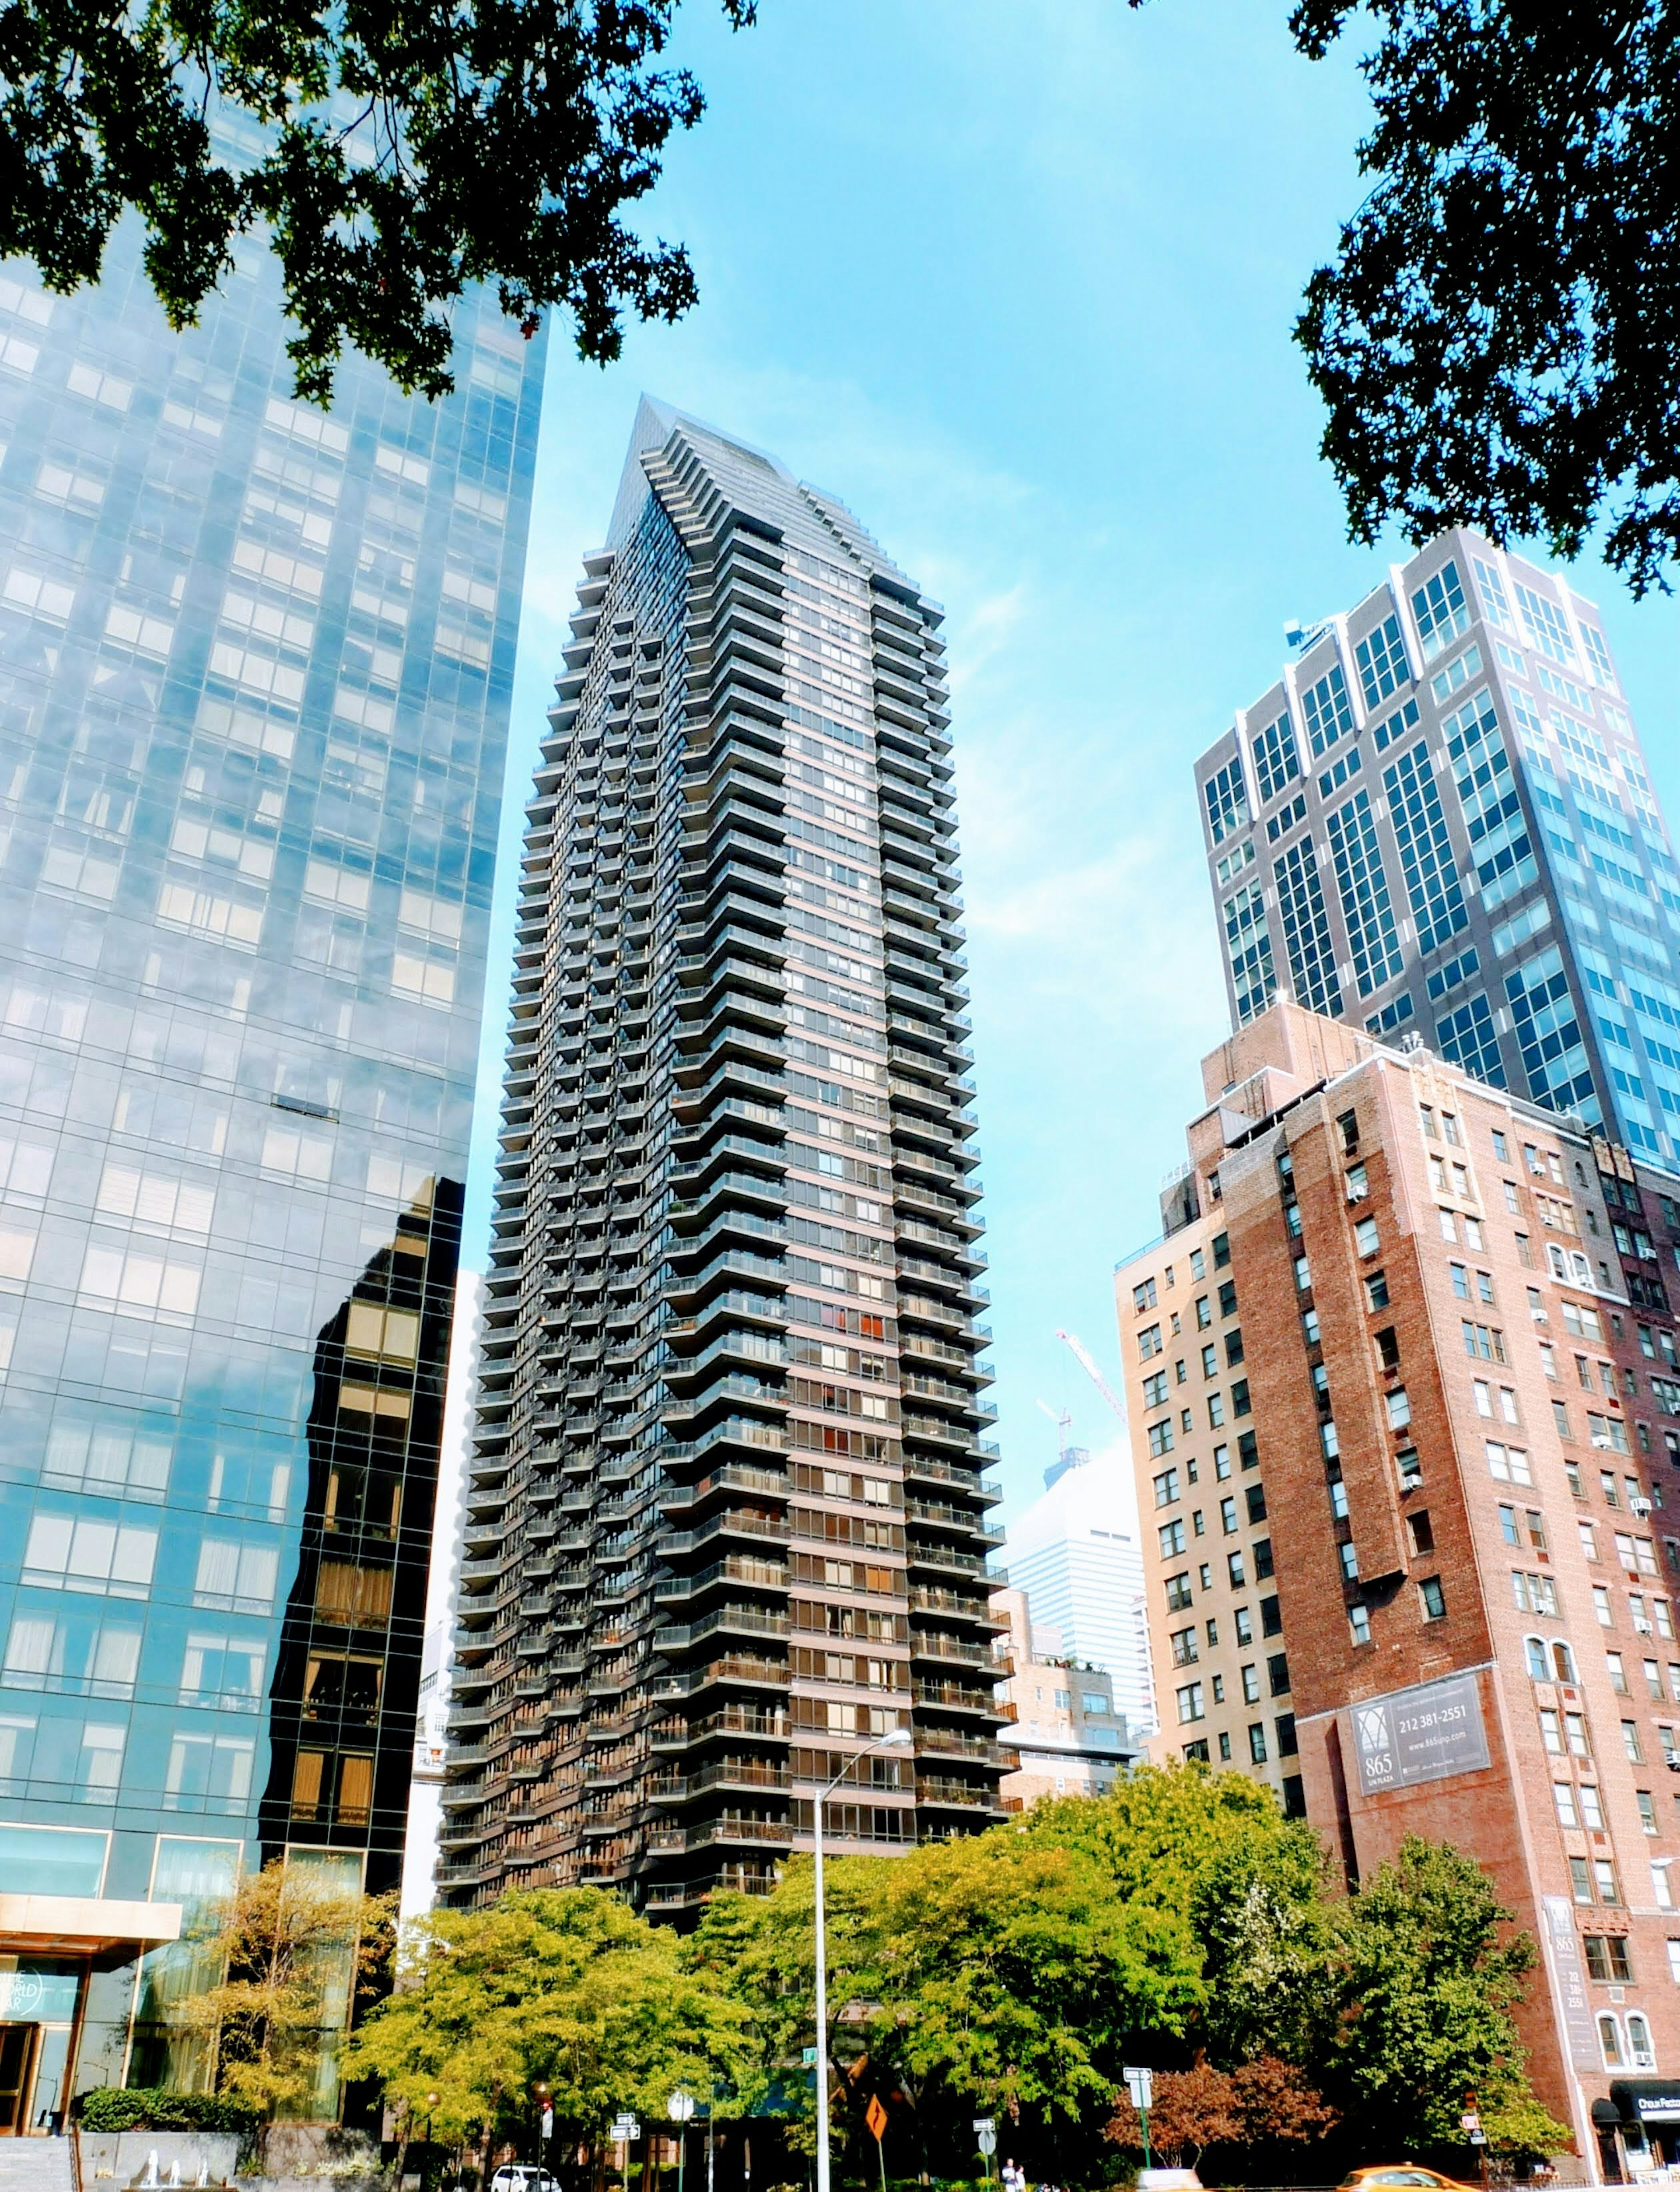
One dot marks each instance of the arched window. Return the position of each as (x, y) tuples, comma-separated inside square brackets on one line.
[(1564, 1661), (1639, 2047), (1610, 2041), (1536, 1650)]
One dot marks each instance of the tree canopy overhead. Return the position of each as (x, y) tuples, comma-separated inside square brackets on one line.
[(1498, 338), (394, 152)]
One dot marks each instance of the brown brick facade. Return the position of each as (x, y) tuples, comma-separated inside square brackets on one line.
[(1457, 1389)]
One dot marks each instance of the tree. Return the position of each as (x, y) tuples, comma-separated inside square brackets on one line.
[(298, 1952), (391, 155), (1190, 2110), (1521, 2135), (1427, 1977), (1212, 1855), (568, 1985), (1498, 340), (1009, 1975)]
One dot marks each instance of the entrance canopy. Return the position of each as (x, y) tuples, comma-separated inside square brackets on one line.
[(109, 1932)]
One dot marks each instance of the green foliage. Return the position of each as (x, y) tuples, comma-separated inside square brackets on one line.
[(154, 2108), (566, 1985), (1211, 1855), (391, 157), (1179, 1921), (1521, 2133), (1009, 1975), (1425, 1986), (1491, 349)]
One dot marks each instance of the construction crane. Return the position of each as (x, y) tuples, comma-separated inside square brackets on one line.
[(1063, 1423), (1081, 1355)]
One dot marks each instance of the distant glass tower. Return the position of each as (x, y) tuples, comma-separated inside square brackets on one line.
[(726, 1527), (1439, 820), (255, 665), (1075, 1553)]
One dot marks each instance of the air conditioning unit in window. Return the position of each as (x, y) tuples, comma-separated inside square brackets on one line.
[(1642, 1627), (1640, 1504)]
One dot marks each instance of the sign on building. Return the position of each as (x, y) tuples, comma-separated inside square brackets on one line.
[(1423, 1734)]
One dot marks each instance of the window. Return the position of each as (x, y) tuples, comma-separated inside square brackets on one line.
[(1365, 1236), (1629, 1741), (1376, 1291), (1143, 1297), (1277, 1675), (1233, 1565), (1172, 1538), (1185, 1651), (1257, 1742), (1177, 1588), (1563, 1803), (1251, 1685), (1617, 1672), (71, 1553), (1191, 1705), (1434, 1599), (1647, 1812), (1399, 1409), (1604, 1879), (1149, 1341), (1166, 1488), (1510, 1463), (1607, 1958), (1227, 1517), (1440, 609), (1640, 2050), (1358, 1625), (1160, 1436)]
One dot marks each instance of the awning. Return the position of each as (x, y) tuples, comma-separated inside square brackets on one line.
[(111, 1933), (1646, 2100)]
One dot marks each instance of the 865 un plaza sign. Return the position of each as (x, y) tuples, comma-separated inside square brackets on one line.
[(1422, 1734)]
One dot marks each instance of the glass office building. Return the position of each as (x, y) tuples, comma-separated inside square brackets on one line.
[(1440, 822), (255, 668)]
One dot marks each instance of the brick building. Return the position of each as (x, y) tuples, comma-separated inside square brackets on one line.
[(1407, 1435)]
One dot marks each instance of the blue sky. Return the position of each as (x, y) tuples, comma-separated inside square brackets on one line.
[(1017, 282)]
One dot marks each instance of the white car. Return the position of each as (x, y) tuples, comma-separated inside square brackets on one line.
[(523, 2177)]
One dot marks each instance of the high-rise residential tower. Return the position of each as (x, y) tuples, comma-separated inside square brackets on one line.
[(255, 665), (1408, 1444), (1439, 821), (726, 1523)]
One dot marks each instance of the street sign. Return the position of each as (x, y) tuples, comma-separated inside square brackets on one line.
[(1470, 2120), (626, 2127), (679, 2107), (1140, 2086), (809, 2059), (985, 2123), (547, 2123), (986, 2140), (876, 2115), (1478, 2138)]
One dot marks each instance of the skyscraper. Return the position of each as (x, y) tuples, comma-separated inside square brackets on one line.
[(256, 665), (1075, 1553), (726, 1523), (1439, 821), (1416, 1563)]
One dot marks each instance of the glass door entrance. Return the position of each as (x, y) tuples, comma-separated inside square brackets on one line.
[(17, 2072)]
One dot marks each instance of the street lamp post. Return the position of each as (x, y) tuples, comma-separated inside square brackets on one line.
[(894, 1736), (544, 2124), (679, 2107)]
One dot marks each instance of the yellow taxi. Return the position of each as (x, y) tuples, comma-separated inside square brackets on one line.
[(1401, 2176)]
